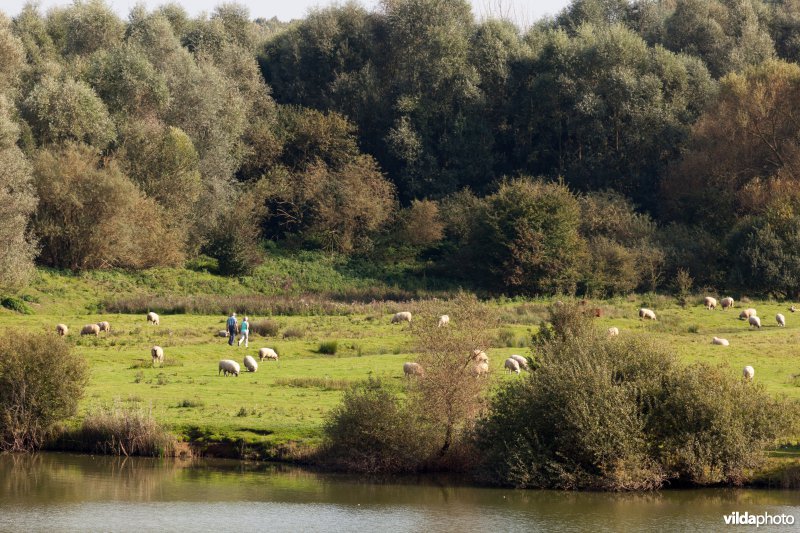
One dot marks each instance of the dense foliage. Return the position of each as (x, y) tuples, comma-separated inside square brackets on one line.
[(662, 136)]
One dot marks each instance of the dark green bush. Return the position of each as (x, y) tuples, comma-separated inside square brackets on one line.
[(374, 431), (621, 414), (16, 304), (41, 381), (328, 347)]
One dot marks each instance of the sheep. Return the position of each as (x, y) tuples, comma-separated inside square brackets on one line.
[(721, 342), (781, 320), (153, 317), (747, 313), (62, 330), (523, 363), (104, 326), (227, 366), (646, 313), (250, 364), (413, 369), (613, 331), (511, 365), (402, 316), (90, 329), (748, 373), (222, 333), (479, 356), (481, 368), (726, 302), (157, 352), (444, 320), (267, 353), (792, 309), (754, 321), (710, 302)]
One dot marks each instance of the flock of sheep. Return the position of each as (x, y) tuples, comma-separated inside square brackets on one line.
[(710, 303), (480, 360)]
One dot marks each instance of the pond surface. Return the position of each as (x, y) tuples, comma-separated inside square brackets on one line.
[(63, 492)]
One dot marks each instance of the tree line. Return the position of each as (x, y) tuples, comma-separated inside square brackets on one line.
[(603, 150)]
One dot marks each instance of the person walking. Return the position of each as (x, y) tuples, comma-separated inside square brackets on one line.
[(245, 332), (233, 328)]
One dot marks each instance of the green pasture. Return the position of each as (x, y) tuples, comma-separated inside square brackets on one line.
[(286, 401)]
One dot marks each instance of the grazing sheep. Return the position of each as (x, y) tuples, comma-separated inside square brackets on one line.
[(781, 320), (726, 302), (90, 329), (748, 372), (402, 316), (227, 366), (646, 313), (479, 356), (62, 329), (511, 365), (747, 313), (153, 317), (523, 363), (413, 369), (558, 303), (754, 321), (222, 333), (250, 364), (104, 326), (710, 302), (443, 320), (721, 342), (481, 368), (613, 331), (792, 309), (267, 353), (157, 352)]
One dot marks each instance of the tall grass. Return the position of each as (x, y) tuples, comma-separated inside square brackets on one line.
[(328, 347), (325, 383)]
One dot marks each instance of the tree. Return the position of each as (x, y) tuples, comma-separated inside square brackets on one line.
[(41, 382)]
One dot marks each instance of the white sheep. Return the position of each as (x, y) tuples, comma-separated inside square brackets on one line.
[(267, 353), (613, 331), (792, 309), (481, 368), (647, 313), (781, 320), (157, 352), (154, 318), (479, 356), (402, 316), (726, 302), (104, 326), (444, 320), (511, 365), (413, 369), (523, 363), (747, 313), (222, 333), (754, 321), (62, 329), (90, 329), (710, 302), (719, 341), (748, 373), (227, 366), (250, 364)]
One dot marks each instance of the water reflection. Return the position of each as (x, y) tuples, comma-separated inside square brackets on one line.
[(72, 492)]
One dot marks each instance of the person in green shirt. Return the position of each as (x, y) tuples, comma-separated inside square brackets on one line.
[(244, 330)]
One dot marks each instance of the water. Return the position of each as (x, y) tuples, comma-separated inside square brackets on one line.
[(62, 492)]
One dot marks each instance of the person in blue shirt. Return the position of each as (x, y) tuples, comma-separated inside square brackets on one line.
[(233, 328), (245, 331)]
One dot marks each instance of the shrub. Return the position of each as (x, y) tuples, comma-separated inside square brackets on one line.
[(374, 431), (41, 382), (328, 347), (265, 328), (622, 414), (16, 304), (294, 333)]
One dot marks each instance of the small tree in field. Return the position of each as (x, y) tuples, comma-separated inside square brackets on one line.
[(451, 394), (41, 381)]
